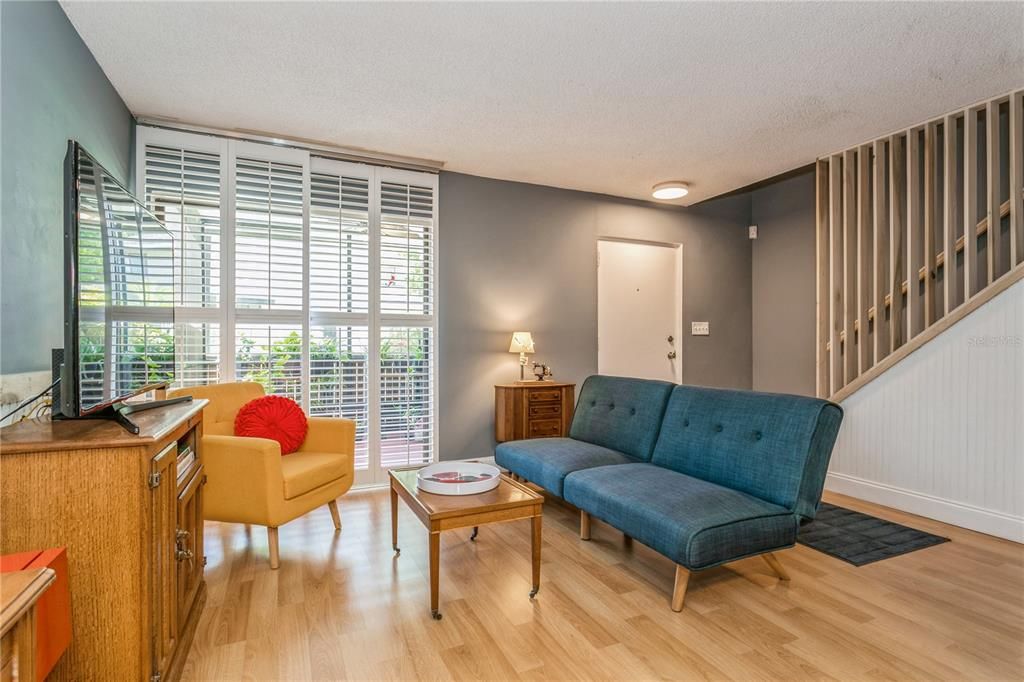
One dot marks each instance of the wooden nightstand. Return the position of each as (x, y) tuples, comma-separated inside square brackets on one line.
[(535, 409)]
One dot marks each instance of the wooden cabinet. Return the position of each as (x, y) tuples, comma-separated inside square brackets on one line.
[(536, 409), (131, 518), (188, 550)]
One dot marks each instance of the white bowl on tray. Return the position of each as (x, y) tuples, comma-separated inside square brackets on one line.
[(458, 478)]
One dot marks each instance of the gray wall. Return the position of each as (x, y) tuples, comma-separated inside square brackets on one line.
[(783, 286), (515, 256), (52, 90)]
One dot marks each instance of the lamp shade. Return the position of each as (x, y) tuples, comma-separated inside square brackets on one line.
[(522, 342)]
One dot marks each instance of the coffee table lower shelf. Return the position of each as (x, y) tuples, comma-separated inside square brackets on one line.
[(510, 501)]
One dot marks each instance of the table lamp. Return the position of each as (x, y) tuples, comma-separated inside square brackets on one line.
[(522, 343)]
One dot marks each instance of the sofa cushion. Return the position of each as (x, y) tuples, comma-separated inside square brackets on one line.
[(775, 447), (693, 522), (305, 471), (621, 414), (547, 461)]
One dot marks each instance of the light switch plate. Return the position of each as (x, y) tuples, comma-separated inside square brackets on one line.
[(700, 328)]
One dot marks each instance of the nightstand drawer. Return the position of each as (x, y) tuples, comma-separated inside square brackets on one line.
[(541, 410), (532, 410), (545, 428), (540, 395)]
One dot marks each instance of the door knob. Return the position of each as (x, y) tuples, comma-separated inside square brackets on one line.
[(672, 355)]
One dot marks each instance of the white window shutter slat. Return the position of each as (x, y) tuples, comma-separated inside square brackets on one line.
[(183, 190), (270, 354), (268, 235), (339, 243), (406, 249), (340, 381)]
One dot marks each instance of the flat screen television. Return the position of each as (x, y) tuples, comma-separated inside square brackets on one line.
[(119, 295)]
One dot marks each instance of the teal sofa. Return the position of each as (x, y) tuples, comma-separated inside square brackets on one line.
[(702, 475)]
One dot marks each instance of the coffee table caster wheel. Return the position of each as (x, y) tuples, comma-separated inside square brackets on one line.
[(436, 615), (533, 592), (476, 531)]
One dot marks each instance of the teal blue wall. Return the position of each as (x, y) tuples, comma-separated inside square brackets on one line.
[(52, 90)]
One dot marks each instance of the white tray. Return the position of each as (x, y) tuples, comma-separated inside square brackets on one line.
[(458, 478)]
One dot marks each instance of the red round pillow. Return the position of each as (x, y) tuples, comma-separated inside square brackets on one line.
[(274, 417)]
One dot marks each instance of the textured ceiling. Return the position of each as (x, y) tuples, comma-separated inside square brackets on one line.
[(608, 98)]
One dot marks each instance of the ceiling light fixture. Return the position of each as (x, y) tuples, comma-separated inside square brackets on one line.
[(670, 190)]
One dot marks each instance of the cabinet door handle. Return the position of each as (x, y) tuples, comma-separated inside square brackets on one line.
[(186, 555)]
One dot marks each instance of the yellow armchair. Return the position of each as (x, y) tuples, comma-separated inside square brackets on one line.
[(248, 481)]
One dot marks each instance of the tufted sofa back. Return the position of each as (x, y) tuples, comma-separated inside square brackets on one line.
[(621, 413), (774, 447)]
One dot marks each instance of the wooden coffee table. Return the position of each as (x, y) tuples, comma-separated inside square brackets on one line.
[(510, 501)]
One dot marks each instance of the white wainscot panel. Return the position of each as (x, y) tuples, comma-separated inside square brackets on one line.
[(941, 434)]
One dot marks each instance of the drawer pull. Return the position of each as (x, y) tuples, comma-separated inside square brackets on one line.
[(548, 427)]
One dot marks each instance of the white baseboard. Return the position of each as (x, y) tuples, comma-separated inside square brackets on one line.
[(948, 511)]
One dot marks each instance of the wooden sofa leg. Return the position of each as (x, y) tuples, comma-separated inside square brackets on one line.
[(275, 558), (333, 506), (584, 525), (679, 590), (775, 565)]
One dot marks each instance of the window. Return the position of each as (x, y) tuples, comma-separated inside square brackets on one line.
[(313, 277)]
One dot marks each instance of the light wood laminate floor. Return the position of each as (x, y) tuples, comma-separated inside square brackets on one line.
[(344, 606)]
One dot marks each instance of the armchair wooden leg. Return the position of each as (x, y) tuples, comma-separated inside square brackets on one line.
[(775, 565), (584, 525), (275, 558), (679, 590), (333, 506)]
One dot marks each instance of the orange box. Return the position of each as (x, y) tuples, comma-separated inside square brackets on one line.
[(53, 610)]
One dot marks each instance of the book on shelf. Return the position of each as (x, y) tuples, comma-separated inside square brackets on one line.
[(185, 458)]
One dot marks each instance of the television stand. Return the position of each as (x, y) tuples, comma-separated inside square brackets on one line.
[(121, 412)]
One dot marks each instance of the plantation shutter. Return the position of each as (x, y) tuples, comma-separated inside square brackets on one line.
[(339, 243), (268, 235), (339, 298), (270, 354), (406, 249), (314, 277), (339, 376), (407, 354), (183, 189), (407, 357)]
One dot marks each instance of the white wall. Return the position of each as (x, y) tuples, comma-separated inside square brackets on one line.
[(941, 434)]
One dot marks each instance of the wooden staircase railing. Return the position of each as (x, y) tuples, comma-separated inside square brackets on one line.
[(899, 204)]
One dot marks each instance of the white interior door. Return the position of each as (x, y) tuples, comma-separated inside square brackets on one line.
[(639, 309)]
